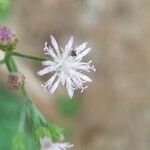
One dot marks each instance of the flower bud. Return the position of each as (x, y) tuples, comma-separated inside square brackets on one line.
[(19, 142), (52, 131), (15, 80), (41, 132), (56, 132), (8, 40)]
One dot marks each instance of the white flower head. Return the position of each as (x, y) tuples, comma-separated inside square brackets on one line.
[(47, 144), (67, 66)]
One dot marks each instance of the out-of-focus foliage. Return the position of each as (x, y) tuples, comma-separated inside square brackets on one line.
[(4, 4), (52, 131), (67, 107), (10, 106), (4, 9), (19, 142), (9, 117)]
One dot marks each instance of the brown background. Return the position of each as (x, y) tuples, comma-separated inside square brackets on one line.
[(115, 110)]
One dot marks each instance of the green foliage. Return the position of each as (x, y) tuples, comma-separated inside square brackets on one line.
[(4, 4), (67, 107), (5, 12), (9, 117), (56, 132), (10, 107), (41, 132), (19, 142), (52, 131)]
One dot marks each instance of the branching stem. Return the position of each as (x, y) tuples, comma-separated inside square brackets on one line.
[(27, 104), (29, 56)]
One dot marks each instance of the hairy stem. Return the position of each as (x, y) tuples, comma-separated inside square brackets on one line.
[(11, 66), (7, 62), (28, 56), (28, 107)]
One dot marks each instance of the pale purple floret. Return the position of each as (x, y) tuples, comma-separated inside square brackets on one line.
[(5, 34)]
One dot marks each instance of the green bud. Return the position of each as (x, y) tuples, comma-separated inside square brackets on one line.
[(56, 132), (52, 131), (41, 132), (19, 142)]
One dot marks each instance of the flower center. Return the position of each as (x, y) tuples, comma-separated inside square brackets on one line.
[(63, 66)]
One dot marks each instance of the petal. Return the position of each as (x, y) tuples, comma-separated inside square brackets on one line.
[(69, 88), (64, 146), (83, 77), (68, 47), (51, 53), (47, 63), (69, 44), (62, 79), (49, 82), (45, 70), (45, 142), (54, 87), (78, 83), (81, 47), (55, 45), (45, 48), (82, 54)]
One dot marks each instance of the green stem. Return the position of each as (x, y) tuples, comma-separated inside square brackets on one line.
[(22, 119), (7, 62), (28, 107), (12, 67), (28, 56)]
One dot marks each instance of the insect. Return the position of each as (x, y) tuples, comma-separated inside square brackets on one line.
[(73, 53)]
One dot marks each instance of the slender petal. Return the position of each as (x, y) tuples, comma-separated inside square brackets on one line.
[(47, 63), (50, 52), (68, 47), (54, 87), (83, 77), (49, 82), (45, 70), (54, 43), (83, 53), (81, 47), (69, 87)]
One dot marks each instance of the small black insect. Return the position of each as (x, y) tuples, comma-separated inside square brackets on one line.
[(73, 53)]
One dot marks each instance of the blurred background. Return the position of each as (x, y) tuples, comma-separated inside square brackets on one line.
[(114, 112)]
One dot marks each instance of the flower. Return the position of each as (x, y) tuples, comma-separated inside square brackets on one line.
[(8, 40), (47, 144), (16, 80), (5, 34), (67, 66)]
